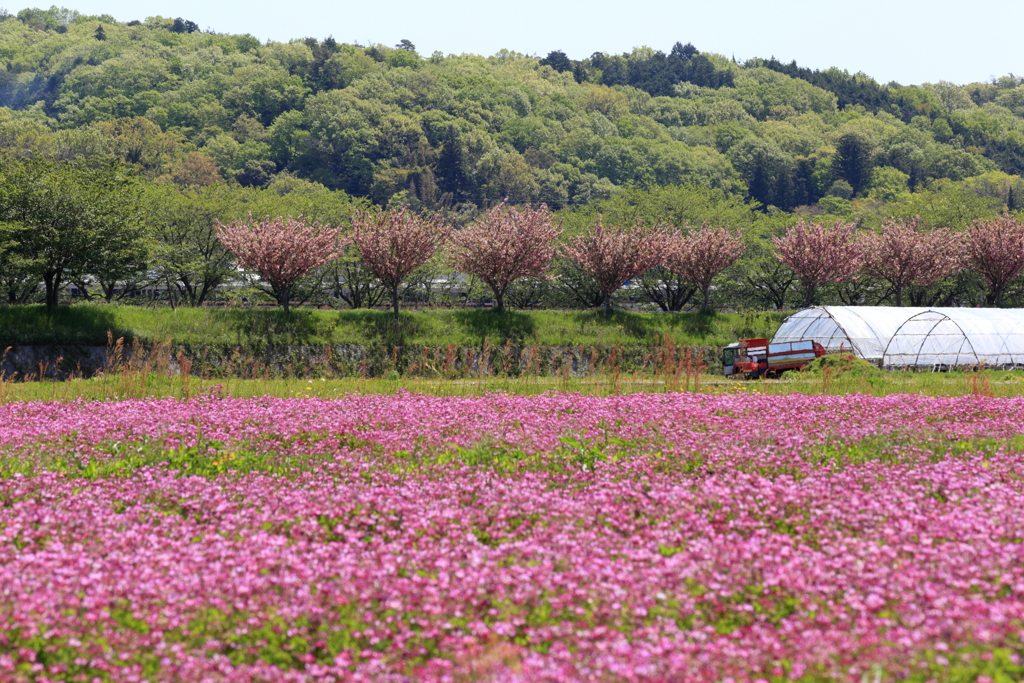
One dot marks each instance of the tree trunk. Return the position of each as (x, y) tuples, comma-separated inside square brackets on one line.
[(607, 304), (999, 298), (808, 295), (899, 296), (394, 300), (52, 280), (285, 298), (191, 292), (707, 297), (499, 300), (172, 298)]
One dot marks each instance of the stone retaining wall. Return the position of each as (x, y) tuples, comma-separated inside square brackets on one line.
[(63, 362)]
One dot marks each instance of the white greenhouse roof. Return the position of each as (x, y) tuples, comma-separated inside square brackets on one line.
[(898, 337), (864, 330)]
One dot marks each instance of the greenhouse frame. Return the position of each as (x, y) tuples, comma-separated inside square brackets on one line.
[(914, 338)]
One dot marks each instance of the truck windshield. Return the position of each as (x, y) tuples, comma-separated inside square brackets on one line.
[(729, 357)]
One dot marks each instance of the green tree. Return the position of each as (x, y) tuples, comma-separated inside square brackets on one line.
[(345, 67), (18, 282), (888, 184), (669, 291), (72, 217), (189, 259), (352, 282), (141, 143)]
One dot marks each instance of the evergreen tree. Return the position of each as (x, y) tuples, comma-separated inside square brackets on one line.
[(558, 61), (450, 171), (856, 158), (184, 26)]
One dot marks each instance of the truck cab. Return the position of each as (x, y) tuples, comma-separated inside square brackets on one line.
[(744, 357)]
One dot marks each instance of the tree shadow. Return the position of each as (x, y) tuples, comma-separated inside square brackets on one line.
[(272, 327), (383, 326), (694, 324), (498, 326), (631, 324), (74, 325)]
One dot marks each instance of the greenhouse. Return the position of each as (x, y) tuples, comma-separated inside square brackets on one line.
[(917, 338)]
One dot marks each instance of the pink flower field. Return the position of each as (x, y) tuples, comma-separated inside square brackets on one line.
[(649, 537)]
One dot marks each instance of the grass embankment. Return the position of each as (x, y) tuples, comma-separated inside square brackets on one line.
[(252, 329)]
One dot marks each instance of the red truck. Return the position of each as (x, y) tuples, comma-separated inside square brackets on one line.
[(752, 358)]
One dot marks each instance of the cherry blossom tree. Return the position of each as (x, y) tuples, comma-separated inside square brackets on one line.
[(615, 256), (702, 254), (393, 244), (819, 253), (995, 248), (505, 245), (282, 250), (904, 254)]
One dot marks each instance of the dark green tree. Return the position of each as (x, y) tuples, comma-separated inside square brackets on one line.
[(767, 169), (615, 71), (450, 171), (855, 158), (184, 26), (908, 158), (256, 173), (804, 190), (683, 52), (557, 60)]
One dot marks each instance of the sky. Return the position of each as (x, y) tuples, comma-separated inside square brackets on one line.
[(907, 41)]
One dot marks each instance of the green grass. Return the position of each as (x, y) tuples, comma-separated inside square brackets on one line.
[(126, 385), (835, 364), (88, 324)]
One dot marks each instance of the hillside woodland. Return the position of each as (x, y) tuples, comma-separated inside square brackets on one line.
[(194, 126)]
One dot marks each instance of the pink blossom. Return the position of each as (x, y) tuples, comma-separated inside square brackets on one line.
[(647, 537)]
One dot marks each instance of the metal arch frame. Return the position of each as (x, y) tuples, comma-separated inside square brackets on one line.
[(1014, 356), (944, 318), (1004, 339), (859, 353), (810, 321), (823, 312), (849, 340)]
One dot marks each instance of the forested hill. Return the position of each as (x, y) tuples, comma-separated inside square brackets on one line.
[(392, 125)]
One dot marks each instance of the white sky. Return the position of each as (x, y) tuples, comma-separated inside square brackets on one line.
[(909, 41)]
